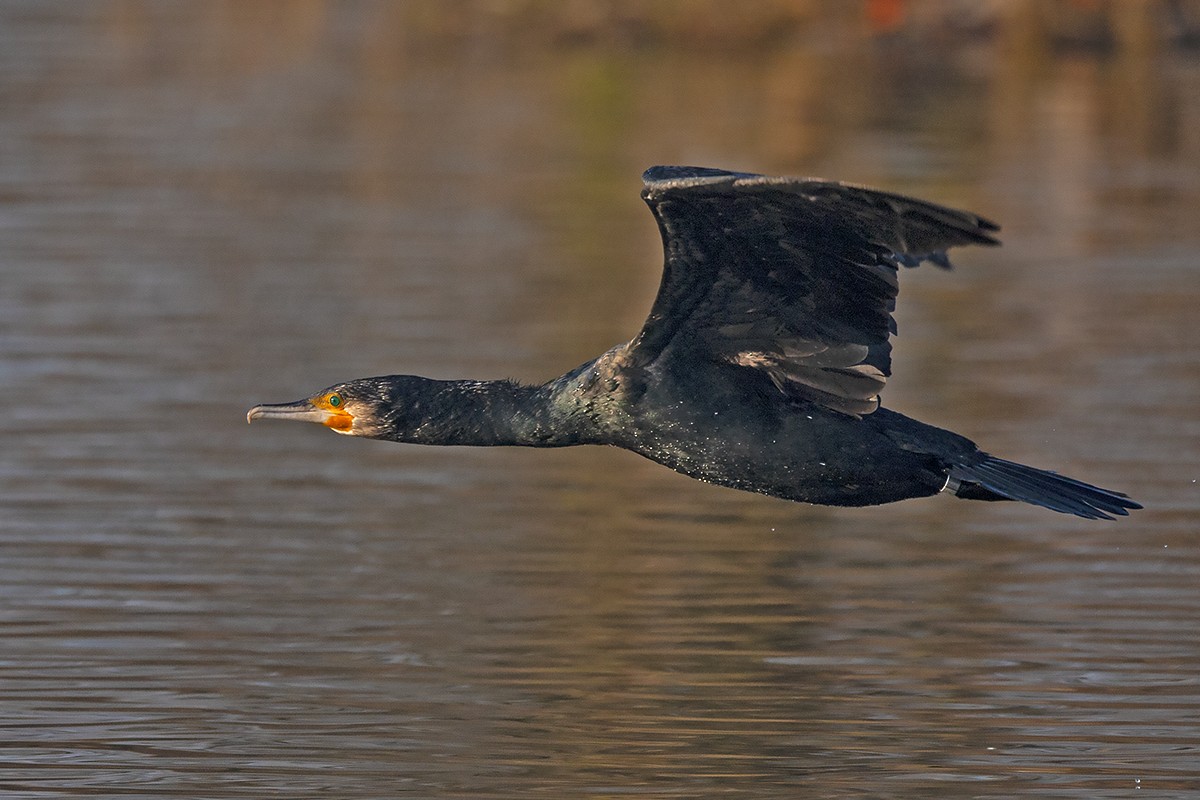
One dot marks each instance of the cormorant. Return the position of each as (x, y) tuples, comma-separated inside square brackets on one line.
[(759, 367)]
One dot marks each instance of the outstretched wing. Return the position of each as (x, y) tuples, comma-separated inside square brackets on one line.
[(790, 276)]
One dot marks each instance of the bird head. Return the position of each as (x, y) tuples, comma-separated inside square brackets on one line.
[(353, 408), (409, 408)]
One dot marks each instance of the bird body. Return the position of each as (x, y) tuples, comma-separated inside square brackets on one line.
[(713, 424), (759, 367)]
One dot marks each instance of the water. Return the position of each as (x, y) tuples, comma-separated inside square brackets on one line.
[(205, 207)]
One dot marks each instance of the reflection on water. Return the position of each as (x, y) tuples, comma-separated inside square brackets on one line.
[(208, 206)]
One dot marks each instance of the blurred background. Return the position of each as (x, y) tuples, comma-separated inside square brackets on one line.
[(204, 206)]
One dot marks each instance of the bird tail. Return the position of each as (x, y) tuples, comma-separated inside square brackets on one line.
[(994, 478)]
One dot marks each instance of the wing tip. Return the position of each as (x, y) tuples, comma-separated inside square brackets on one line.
[(978, 229)]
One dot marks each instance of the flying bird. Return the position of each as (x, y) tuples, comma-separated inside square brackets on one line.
[(759, 367)]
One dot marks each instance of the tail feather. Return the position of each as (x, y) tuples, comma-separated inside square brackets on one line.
[(1037, 486)]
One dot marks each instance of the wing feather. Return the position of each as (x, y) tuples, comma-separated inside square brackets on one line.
[(796, 278)]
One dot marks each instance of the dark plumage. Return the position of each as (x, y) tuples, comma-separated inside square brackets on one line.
[(760, 364)]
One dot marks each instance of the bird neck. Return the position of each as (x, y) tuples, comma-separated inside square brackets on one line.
[(486, 413)]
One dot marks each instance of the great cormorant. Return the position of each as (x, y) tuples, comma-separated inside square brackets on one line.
[(759, 367)]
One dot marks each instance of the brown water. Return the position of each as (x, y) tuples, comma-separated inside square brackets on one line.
[(206, 206)]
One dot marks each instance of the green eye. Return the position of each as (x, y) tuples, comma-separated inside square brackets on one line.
[(335, 400)]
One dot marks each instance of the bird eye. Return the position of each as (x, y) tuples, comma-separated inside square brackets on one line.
[(335, 400)]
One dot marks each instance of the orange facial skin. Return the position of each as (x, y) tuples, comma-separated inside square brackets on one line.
[(338, 418)]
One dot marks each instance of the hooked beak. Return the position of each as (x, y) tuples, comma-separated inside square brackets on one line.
[(303, 411)]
